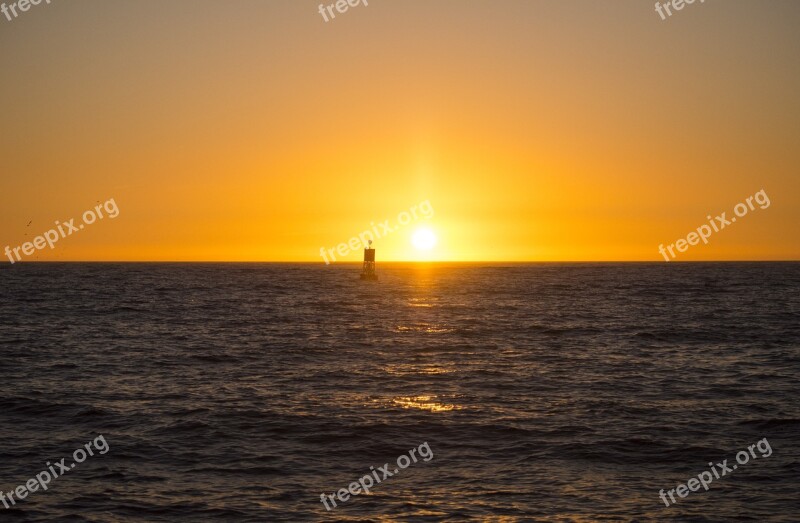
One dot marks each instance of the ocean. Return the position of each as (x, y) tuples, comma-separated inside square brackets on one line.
[(544, 392)]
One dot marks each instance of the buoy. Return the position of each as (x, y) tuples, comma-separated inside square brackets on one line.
[(368, 271)]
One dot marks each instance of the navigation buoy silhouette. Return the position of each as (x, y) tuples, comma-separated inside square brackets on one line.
[(368, 270)]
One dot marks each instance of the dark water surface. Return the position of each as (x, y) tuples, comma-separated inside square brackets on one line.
[(553, 392)]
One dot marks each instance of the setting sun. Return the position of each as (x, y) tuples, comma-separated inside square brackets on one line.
[(424, 239)]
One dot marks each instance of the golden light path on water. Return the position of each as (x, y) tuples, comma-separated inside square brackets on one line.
[(423, 304), (424, 403)]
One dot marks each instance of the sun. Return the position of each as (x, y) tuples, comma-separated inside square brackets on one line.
[(424, 239)]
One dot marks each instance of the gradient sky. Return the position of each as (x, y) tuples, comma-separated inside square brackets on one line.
[(538, 130)]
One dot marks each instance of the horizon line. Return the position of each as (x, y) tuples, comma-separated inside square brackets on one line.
[(407, 261)]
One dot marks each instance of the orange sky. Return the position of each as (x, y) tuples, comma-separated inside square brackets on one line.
[(538, 130)]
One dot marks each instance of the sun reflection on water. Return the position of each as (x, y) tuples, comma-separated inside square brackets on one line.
[(422, 302), (409, 369), (430, 328), (424, 403)]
